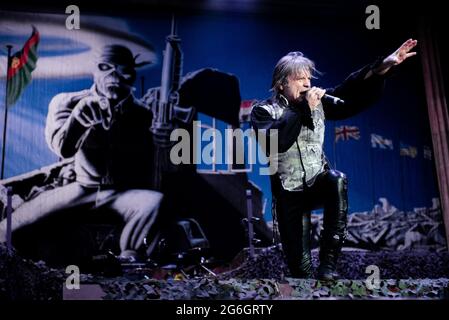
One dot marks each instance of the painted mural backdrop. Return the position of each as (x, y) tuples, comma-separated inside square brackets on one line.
[(386, 151)]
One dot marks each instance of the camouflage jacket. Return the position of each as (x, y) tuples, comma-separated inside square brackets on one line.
[(300, 131)]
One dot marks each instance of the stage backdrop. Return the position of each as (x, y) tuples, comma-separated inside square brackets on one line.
[(385, 151)]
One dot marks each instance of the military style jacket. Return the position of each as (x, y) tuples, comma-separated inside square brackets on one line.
[(300, 131), (121, 157)]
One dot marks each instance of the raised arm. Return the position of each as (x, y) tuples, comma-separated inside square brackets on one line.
[(364, 87), (63, 132)]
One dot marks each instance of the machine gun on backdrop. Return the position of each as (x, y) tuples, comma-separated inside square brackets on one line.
[(167, 114)]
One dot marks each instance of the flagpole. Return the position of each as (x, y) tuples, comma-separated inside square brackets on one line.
[(5, 121)]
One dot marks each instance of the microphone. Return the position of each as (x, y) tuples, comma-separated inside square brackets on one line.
[(329, 99), (333, 100)]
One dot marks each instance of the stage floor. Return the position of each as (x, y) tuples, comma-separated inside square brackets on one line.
[(403, 275)]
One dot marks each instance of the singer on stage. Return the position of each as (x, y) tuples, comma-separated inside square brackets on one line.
[(304, 180)]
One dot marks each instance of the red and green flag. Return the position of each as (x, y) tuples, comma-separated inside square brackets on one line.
[(21, 64)]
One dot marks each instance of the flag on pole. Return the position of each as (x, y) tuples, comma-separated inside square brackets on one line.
[(377, 141), (21, 64), (346, 132), (408, 151)]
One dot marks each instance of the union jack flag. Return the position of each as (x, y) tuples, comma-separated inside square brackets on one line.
[(379, 141), (346, 132)]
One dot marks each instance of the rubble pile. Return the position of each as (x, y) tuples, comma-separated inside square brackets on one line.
[(387, 228), (268, 263), (22, 279)]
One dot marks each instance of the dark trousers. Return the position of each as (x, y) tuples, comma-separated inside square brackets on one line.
[(138, 208), (293, 209)]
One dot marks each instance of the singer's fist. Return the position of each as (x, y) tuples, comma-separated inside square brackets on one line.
[(313, 96)]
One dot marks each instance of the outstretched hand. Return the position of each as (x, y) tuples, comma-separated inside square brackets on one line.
[(397, 57), (93, 110)]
